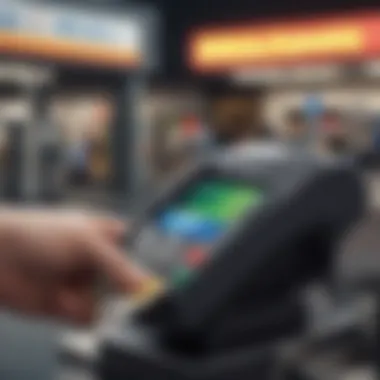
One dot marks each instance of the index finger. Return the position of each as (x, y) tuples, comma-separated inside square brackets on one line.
[(113, 228), (113, 263)]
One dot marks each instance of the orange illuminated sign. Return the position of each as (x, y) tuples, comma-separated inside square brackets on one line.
[(65, 50), (285, 43)]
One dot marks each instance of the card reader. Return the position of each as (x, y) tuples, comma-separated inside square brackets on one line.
[(233, 245)]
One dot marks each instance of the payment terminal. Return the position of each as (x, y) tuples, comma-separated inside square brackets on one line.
[(232, 246)]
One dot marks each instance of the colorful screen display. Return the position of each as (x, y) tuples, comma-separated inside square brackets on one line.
[(207, 208), (220, 200)]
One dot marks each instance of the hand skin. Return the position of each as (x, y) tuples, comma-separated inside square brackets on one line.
[(51, 262)]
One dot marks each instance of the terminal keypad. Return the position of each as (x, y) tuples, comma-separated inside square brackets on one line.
[(161, 253)]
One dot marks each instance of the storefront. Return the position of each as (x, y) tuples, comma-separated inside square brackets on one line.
[(319, 75), (94, 64)]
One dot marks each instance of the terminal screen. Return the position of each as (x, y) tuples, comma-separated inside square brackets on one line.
[(220, 200), (191, 224), (194, 222), (208, 207)]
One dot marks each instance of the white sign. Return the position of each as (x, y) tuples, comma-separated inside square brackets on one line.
[(63, 22)]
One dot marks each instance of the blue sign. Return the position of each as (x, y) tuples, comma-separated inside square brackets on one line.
[(313, 106), (313, 109)]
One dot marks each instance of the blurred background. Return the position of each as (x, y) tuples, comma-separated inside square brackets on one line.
[(103, 100)]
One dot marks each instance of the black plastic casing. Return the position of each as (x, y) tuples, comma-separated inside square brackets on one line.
[(213, 328)]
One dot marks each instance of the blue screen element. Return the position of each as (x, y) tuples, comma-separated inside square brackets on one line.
[(208, 208), (190, 226)]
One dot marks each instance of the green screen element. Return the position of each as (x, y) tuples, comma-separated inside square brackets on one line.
[(221, 200)]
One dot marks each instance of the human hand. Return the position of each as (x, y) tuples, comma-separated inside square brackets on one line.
[(52, 261)]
